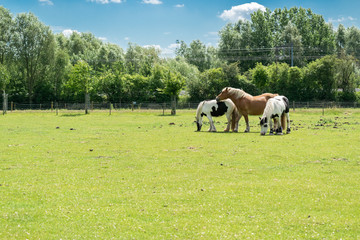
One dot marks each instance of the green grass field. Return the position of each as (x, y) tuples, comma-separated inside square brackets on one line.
[(141, 175)]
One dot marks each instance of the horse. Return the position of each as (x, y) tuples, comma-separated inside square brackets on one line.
[(275, 108), (246, 103), (214, 108)]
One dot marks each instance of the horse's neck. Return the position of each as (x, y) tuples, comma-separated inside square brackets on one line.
[(269, 108), (238, 94)]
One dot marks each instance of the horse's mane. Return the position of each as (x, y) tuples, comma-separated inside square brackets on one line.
[(238, 93)]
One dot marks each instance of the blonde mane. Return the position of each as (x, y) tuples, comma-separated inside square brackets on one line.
[(238, 93)]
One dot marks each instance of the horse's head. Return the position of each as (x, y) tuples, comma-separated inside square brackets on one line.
[(223, 95), (264, 125)]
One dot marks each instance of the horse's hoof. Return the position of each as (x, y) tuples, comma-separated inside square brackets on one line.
[(271, 133), (288, 131), (247, 131)]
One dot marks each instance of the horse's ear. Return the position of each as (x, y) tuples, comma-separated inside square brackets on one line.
[(260, 118)]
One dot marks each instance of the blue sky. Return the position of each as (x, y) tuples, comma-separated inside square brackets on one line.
[(162, 22)]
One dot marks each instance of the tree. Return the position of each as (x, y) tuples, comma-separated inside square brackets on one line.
[(6, 23), (340, 40), (260, 77), (196, 54), (4, 81), (34, 47), (173, 83), (352, 42), (81, 81), (346, 77)]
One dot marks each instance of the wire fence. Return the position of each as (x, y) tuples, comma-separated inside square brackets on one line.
[(12, 106)]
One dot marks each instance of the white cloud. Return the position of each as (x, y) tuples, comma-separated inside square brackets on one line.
[(157, 47), (104, 39), (241, 12), (180, 5), (167, 52), (46, 2), (106, 1), (155, 2), (127, 39), (342, 19), (68, 32)]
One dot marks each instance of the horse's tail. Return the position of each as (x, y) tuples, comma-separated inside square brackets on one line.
[(283, 121), (199, 109)]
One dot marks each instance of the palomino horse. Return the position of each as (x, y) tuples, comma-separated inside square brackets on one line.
[(275, 109), (246, 103), (213, 108)]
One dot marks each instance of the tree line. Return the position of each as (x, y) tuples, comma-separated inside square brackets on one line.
[(293, 52)]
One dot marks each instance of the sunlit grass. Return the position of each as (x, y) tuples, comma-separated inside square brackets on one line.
[(146, 176)]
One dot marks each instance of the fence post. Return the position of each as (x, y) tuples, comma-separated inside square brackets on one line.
[(52, 106), (12, 106), (57, 107), (323, 109)]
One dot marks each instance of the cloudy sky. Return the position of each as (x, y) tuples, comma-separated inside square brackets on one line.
[(162, 22)]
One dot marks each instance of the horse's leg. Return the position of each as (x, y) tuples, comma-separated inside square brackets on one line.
[(271, 126), (212, 126), (288, 123), (236, 128), (247, 123), (228, 117), (279, 127), (238, 117)]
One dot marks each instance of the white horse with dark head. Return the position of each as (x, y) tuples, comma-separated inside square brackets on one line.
[(276, 108), (213, 108)]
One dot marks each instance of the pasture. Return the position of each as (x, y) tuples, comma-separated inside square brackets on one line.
[(141, 175)]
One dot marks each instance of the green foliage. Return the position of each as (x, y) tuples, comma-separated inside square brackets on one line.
[(4, 77), (260, 77), (254, 55), (34, 48), (80, 81)]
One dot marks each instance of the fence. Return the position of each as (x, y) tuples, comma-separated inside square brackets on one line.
[(11, 106)]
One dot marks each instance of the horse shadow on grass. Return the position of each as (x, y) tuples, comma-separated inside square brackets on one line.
[(72, 115)]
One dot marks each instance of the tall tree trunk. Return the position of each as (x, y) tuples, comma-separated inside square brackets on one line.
[(5, 102), (173, 105), (87, 103)]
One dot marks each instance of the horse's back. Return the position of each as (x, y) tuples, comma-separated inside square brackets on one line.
[(254, 105)]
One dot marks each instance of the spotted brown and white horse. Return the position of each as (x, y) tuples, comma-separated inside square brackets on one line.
[(276, 108), (213, 108), (246, 103)]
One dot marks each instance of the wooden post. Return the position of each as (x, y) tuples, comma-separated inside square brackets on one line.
[(52, 106), (12, 106), (110, 108), (57, 107)]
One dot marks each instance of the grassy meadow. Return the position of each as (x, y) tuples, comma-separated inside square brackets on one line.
[(142, 175)]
